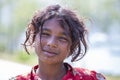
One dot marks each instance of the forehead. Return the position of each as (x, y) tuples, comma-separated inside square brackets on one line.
[(57, 23), (53, 27), (52, 22)]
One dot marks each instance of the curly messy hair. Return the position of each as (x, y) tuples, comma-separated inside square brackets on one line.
[(68, 20)]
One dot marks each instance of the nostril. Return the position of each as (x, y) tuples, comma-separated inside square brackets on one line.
[(52, 43)]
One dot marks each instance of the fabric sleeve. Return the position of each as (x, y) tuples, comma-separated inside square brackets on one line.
[(86, 74)]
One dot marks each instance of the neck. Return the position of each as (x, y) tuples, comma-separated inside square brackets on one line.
[(51, 71)]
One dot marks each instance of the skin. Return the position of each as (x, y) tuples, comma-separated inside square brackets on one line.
[(54, 48)]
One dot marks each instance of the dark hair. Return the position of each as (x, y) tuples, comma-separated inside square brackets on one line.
[(68, 20)]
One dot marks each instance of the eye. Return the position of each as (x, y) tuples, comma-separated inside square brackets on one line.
[(63, 39), (45, 34)]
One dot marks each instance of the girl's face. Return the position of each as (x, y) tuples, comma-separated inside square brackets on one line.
[(55, 43)]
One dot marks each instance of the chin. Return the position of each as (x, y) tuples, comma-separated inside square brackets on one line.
[(50, 60)]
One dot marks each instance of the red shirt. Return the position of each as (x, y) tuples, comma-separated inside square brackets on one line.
[(72, 74)]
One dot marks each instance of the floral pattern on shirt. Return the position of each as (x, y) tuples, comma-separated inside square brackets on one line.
[(72, 74)]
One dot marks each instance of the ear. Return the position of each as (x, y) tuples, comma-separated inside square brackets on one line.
[(33, 45), (30, 33), (31, 28)]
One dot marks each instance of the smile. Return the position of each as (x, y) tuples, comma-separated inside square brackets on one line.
[(49, 53)]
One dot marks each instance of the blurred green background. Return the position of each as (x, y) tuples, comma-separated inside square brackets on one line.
[(102, 17)]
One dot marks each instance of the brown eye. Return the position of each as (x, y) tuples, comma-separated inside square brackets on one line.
[(63, 39), (45, 34)]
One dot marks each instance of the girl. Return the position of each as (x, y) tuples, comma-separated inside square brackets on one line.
[(56, 34)]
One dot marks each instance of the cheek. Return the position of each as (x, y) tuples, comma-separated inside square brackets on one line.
[(37, 46), (39, 42), (65, 49)]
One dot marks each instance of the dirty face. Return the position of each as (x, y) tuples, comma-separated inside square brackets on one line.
[(55, 43)]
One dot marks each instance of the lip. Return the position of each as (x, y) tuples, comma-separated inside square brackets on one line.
[(49, 53)]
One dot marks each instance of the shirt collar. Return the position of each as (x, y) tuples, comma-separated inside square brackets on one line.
[(69, 70)]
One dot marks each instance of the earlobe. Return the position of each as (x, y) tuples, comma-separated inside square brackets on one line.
[(69, 53), (33, 45), (31, 28)]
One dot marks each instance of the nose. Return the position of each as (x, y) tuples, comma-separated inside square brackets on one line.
[(52, 42)]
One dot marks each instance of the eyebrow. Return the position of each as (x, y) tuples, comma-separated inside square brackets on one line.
[(45, 29), (62, 33)]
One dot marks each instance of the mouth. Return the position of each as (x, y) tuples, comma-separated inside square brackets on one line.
[(49, 53)]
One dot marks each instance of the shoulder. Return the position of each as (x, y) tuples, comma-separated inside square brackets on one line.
[(27, 76), (21, 77), (82, 74), (86, 74)]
